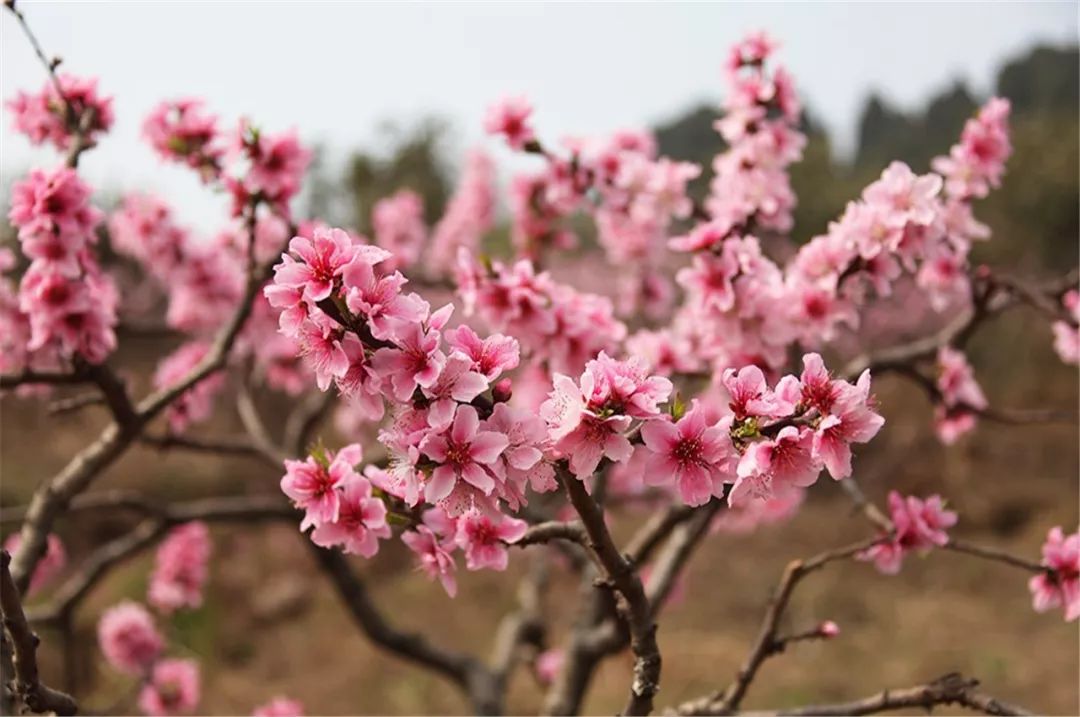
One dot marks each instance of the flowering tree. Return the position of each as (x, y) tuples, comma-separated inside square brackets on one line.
[(700, 394)]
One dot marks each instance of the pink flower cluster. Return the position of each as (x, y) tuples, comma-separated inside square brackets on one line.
[(977, 163), (337, 501), (398, 222), (173, 688), (203, 283), (129, 639), (66, 303), (264, 167), (632, 195), (1067, 333), (1059, 586), (555, 323), (918, 525), (180, 568), (45, 117), (960, 396), (469, 214), (589, 420), (181, 131), (750, 184), (48, 567), (766, 443)]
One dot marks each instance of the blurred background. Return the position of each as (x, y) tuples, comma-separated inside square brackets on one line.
[(391, 96)]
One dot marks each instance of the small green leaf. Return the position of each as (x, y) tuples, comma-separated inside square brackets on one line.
[(678, 406)]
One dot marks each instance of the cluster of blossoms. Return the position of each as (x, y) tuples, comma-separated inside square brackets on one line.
[(918, 525), (750, 185), (770, 443), (632, 195), (252, 165), (65, 305), (53, 115), (555, 323), (961, 397), (181, 131), (131, 641), (469, 214), (398, 224), (1059, 586)]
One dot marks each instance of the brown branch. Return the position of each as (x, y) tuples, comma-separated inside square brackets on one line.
[(27, 683), (305, 418), (463, 670), (246, 509), (222, 446), (624, 578), (765, 646), (961, 546), (952, 689), (554, 530), (673, 560)]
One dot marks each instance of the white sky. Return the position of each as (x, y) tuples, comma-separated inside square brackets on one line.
[(339, 70)]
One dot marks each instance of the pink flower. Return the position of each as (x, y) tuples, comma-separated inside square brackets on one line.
[(314, 484), (280, 707), (774, 466), (522, 460), (977, 163), (434, 555), (43, 117), (909, 197), (548, 665), (469, 214), (173, 688), (457, 382), (398, 221), (491, 356), (484, 538), (179, 130), (509, 117), (750, 394), (851, 419), (48, 567), (415, 362), (378, 299), (360, 522), (961, 395), (690, 454), (128, 638), (462, 452), (322, 259), (55, 219), (917, 526), (1060, 585), (579, 433), (320, 342), (278, 163), (180, 568)]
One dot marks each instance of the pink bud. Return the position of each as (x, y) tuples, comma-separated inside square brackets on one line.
[(502, 391), (829, 629)]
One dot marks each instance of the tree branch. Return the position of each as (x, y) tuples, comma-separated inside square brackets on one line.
[(27, 684)]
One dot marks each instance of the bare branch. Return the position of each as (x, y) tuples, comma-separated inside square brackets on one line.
[(961, 546), (952, 689), (27, 684), (223, 446), (729, 700), (624, 578)]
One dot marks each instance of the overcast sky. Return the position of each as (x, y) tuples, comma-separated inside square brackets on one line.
[(337, 71)]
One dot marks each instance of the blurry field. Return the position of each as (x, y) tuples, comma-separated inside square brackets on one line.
[(272, 625)]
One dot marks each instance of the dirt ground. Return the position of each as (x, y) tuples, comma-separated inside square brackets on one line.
[(272, 625)]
